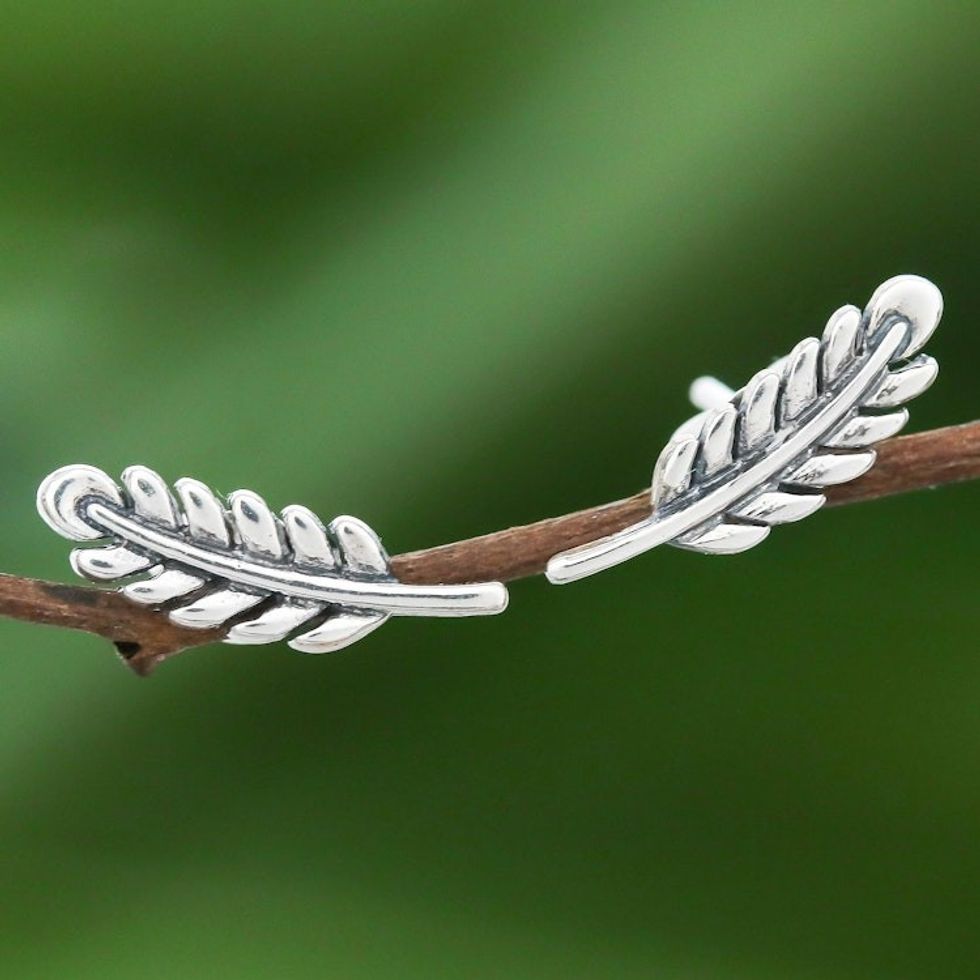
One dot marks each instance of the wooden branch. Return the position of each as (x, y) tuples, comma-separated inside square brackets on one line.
[(927, 459), (144, 637)]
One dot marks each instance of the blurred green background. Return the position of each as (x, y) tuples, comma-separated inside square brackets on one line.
[(450, 266)]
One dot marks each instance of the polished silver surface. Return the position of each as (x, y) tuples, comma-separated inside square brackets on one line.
[(210, 563), (759, 456)]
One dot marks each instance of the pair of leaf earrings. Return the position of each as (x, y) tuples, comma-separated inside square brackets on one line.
[(751, 459)]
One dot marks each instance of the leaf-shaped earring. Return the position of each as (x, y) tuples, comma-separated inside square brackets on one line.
[(760, 456), (264, 577)]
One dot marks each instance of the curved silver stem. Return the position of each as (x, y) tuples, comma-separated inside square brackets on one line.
[(483, 599)]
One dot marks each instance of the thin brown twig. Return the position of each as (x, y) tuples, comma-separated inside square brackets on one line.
[(144, 637), (927, 459)]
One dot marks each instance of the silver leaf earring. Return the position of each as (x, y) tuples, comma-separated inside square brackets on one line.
[(760, 456), (238, 565)]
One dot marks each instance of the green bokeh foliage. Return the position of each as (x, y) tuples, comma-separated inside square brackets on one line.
[(449, 266)]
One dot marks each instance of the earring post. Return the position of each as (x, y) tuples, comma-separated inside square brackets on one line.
[(707, 393)]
